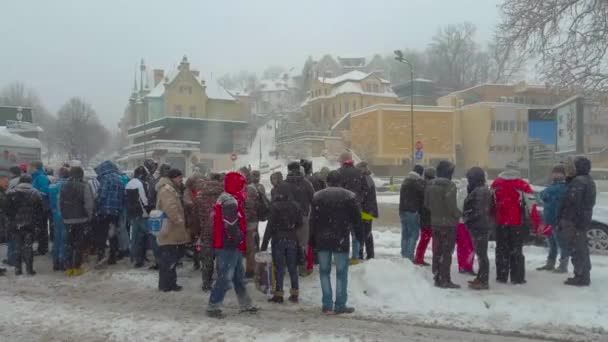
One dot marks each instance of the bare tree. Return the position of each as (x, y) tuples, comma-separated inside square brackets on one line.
[(506, 63), (452, 54), (568, 37), (83, 136)]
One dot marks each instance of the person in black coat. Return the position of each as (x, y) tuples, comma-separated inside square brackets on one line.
[(411, 201), (335, 213), (369, 211), (24, 211), (285, 219), (316, 182), (302, 192), (352, 179), (575, 217), (478, 216)]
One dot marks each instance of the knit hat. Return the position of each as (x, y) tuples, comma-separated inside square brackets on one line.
[(174, 173), (346, 158)]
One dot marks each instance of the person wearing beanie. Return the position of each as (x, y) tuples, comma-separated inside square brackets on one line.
[(574, 218), (24, 210), (426, 233), (76, 204), (353, 180), (478, 217), (552, 197), (314, 179), (411, 200), (511, 229), (440, 200), (173, 235), (369, 211), (302, 192)]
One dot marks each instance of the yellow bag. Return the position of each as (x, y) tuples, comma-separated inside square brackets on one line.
[(366, 217)]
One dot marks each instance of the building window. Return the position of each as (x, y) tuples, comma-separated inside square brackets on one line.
[(519, 126), (178, 110), (525, 126), (333, 110), (345, 107), (192, 111), (493, 125), (492, 148), (511, 126), (354, 105), (514, 148), (498, 126), (376, 90)]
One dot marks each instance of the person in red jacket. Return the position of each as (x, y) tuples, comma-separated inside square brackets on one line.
[(229, 243), (510, 193)]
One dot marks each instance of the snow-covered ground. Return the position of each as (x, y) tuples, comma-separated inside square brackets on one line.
[(393, 298)]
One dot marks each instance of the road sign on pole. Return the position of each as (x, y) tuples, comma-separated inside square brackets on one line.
[(419, 155), (233, 157)]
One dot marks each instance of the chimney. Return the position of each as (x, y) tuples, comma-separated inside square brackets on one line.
[(196, 73), (159, 74)]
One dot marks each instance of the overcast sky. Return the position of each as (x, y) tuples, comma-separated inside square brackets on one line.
[(91, 48)]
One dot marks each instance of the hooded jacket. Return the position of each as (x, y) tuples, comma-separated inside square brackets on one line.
[(353, 180), (232, 197), (169, 201), (552, 198), (111, 191), (76, 201), (508, 189), (285, 217), (425, 214), (478, 209), (411, 196), (440, 197), (301, 191), (579, 200), (24, 207), (335, 213), (203, 209)]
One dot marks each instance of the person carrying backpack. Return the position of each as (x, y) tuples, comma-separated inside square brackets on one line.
[(229, 243)]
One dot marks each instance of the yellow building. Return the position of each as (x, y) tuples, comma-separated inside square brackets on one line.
[(381, 134), (183, 120), (331, 98)]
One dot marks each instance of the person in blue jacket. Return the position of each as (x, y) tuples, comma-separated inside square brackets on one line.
[(59, 232), (41, 183), (552, 198)]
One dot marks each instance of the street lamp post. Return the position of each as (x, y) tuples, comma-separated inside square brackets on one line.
[(399, 57)]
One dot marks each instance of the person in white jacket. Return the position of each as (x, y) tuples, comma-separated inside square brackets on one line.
[(138, 209)]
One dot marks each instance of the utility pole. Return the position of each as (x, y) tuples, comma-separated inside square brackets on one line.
[(399, 58), (260, 164)]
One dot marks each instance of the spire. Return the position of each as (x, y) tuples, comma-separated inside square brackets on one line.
[(135, 82), (142, 69)]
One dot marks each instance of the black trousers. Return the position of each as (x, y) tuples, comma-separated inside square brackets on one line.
[(509, 254), (76, 244), (444, 240), (24, 251), (480, 241), (577, 242), (167, 274), (368, 242), (101, 232)]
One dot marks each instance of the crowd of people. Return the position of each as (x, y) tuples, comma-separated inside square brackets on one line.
[(428, 204), (311, 219)]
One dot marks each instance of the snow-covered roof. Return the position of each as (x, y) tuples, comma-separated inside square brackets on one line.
[(10, 139), (157, 91), (216, 92), (354, 75), (238, 92), (273, 85), (350, 87)]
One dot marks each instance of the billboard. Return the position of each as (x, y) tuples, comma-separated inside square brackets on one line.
[(8, 113), (542, 141), (570, 128)]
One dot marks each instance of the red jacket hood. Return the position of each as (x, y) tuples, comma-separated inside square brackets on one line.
[(234, 183)]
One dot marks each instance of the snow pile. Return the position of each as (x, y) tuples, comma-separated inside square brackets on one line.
[(15, 140)]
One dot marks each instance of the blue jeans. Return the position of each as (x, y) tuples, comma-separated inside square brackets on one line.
[(356, 245), (60, 237), (285, 253), (230, 271), (10, 250), (341, 279), (410, 230), (140, 238), (555, 244), (123, 233)]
